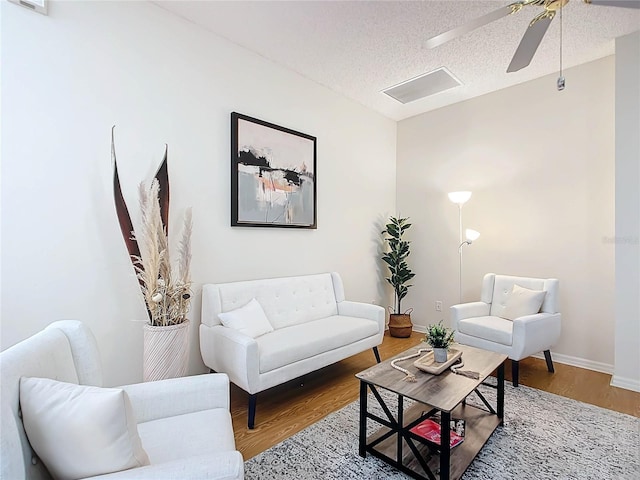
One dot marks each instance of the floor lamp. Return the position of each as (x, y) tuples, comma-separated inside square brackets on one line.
[(460, 198)]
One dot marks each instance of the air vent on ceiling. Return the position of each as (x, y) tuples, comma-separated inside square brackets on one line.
[(423, 85), (39, 6)]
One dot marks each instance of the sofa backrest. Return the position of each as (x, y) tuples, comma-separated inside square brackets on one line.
[(496, 290), (64, 351), (286, 301)]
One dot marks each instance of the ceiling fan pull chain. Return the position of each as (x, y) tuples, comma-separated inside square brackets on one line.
[(561, 78), (561, 23)]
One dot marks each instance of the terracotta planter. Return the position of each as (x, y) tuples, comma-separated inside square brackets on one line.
[(400, 324), (166, 351)]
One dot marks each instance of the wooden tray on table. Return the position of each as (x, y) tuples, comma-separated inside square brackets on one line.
[(429, 365)]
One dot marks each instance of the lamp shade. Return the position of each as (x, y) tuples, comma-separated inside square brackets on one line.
[(459, 197), (471, 235)]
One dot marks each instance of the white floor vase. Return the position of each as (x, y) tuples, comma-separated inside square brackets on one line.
[(166, 351)]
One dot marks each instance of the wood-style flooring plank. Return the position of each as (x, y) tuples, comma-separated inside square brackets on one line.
[(286, 409)]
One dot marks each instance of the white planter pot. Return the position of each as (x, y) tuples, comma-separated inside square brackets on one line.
[(166, 351), (440, 355)]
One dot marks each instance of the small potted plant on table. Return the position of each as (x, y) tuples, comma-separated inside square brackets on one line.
[(439, 337)]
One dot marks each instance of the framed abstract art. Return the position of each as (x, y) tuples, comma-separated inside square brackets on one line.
[(273, 175)]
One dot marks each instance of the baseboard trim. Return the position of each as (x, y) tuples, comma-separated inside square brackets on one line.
[(579, 362), (626, 383)]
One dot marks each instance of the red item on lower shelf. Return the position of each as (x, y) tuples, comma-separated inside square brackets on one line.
[(430, 430)]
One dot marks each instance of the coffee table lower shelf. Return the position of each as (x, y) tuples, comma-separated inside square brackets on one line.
[(479, 425)]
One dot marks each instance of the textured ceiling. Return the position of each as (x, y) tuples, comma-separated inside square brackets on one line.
[(359, 48)]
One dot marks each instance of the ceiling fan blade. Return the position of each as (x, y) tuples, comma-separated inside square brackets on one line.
[(615, 3), (468, 27), (529, 44)]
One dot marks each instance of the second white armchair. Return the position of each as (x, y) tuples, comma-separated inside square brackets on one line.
[(516, 316)]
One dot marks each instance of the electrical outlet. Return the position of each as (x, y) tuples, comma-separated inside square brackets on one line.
[(438, 306)]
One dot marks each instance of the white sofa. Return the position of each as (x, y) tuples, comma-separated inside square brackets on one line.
[(313, 326), (184, 424)]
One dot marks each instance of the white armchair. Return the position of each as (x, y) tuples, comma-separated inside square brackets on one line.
[(517, 325), (184, 424)]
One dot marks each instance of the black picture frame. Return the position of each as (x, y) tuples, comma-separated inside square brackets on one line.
[(273, 175)]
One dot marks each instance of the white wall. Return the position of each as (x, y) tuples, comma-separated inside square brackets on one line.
[(627, 236), (68, 77), (540, 164)]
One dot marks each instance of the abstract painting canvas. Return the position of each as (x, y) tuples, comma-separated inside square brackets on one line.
[(273, 175)]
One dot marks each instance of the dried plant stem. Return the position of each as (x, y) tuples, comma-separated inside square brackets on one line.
[(167, 297)]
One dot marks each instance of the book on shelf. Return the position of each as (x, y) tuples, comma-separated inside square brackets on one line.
[(429, 429)]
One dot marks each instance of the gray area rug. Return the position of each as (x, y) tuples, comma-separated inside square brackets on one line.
[(544, 436)]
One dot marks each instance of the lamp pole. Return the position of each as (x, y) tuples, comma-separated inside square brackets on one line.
[(470, 236), (460, 219), (460, 273), (460, 255), (460, 198)]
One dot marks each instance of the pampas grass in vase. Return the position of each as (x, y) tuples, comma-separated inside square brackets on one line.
[(167, 293)]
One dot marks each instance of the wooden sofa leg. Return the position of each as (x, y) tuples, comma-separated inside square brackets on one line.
[(252, 410), (377, 354), (547, 357), (514, 372)]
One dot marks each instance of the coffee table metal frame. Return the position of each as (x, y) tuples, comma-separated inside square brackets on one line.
[(401, 424)]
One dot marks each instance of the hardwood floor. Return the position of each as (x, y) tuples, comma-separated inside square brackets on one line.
[(285, 410)]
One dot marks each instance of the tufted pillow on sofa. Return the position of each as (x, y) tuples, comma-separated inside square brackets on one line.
[(523, 301), (80, 431), (249, 319)]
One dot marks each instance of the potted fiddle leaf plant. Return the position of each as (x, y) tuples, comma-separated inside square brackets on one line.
[(399, 274), (440, 338)]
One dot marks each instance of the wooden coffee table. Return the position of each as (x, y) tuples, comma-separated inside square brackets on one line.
[(445, 393)]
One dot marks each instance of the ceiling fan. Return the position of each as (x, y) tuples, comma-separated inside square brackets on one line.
[(534, 33)]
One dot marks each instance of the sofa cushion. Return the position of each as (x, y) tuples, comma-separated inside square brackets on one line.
[(522, 301), (494, 329), (80, 431), (183, 436), (249, 319), (285, 346)]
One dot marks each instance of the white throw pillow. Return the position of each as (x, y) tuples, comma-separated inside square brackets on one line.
[(80, 431), (250, 319), (523, 301)]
